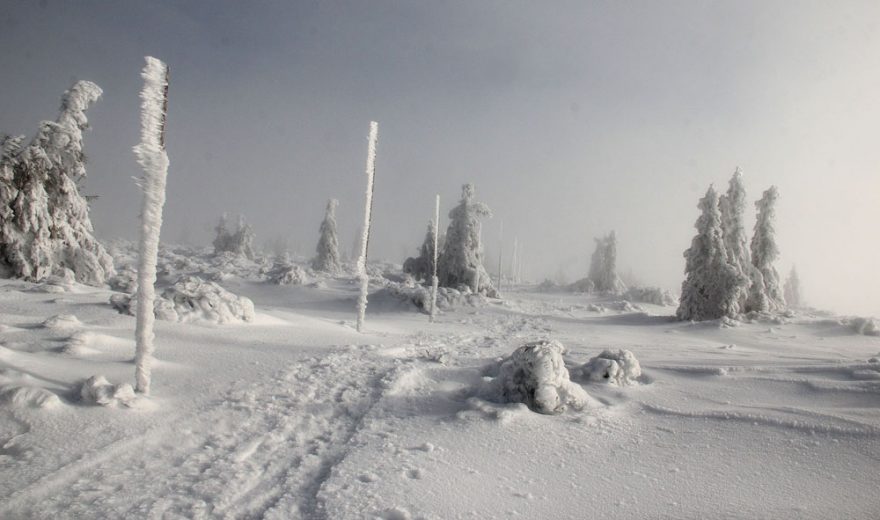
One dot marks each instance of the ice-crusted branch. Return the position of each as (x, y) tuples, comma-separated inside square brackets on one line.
[(151, 156), (435, 282), (368, 215)]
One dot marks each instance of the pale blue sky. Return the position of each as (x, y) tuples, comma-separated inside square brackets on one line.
[(572, 118)]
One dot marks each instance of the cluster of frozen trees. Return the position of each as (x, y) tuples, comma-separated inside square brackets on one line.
[(459, 251), (725, 274), (44, 220), (239, 241)]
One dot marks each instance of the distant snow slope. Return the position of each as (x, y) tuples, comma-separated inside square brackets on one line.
[(296, 415)]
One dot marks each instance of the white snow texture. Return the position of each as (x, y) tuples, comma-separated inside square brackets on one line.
[(620, 368)]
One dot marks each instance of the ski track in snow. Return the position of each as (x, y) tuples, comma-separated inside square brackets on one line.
[(262, 451)]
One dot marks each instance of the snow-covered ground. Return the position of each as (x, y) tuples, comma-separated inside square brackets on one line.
[(296, 415)]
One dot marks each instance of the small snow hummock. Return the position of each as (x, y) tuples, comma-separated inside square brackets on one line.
[(97, 390), (24, 391), (61, 321), (286, 273), (864, 326), (535, 374), (620, 368)]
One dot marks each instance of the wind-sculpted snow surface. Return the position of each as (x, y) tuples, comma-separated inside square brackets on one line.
[(619, 368), (535, 374)]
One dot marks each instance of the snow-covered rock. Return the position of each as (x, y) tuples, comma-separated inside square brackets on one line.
[(97, 390), (535, 374), (620, 368)]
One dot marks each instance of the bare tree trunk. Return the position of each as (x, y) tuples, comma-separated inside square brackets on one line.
[(368, 217)]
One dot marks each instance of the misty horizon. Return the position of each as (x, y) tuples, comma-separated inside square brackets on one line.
[(571, 123)]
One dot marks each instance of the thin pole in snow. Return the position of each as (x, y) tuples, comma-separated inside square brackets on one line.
[(368, 216), (435, 282)]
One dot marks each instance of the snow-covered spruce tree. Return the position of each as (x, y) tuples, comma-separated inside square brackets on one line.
[(152, 157), (45, 226), (461, 262), (603, 266), (792, 289), (421, 267), (327, 259), (733, 206), (708, 291), (368, 219), (766, 293)]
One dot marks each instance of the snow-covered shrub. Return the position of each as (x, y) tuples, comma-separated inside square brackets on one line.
[(125, 280), (420, 296), (284, 272), (766, 291), (97, 390), (709, 290), (239, 241), (192, 299), (653, 295), (535, 374), (584, 285), (620, 368), (44, 220), (327, 259), (461, 262), (603, 266), (864, 326)]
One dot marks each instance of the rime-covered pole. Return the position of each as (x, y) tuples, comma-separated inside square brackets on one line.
[(500, 254), (435, 282), (151, 156), (514, 262), (368, 215)]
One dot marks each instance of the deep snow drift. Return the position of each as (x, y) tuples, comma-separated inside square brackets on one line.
[(296, 415)]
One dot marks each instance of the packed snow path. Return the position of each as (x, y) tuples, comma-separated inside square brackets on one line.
[(298, 416)]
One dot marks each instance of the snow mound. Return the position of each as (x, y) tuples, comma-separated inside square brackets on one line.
[(22, 390), (864, 326), (61, 321), (97, 390), (287, 274), (620, 368), (125, 280), (535, 374), (78, 344), (192, 299)]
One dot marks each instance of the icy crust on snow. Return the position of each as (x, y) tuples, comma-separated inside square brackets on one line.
[(535, 375), (620, 368), (97, 390), (192, 299)]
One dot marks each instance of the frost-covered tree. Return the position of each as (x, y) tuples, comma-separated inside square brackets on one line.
[(709, 289), (766, 293), (792, 289), (151, 156), (461, 262), (44, 221), (733, 206), (239, 241), (327, 259), (422, 266), (603, 266)]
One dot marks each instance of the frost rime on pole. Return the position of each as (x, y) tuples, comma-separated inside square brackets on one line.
[(151, 156), (435, 282), (368, 215)]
